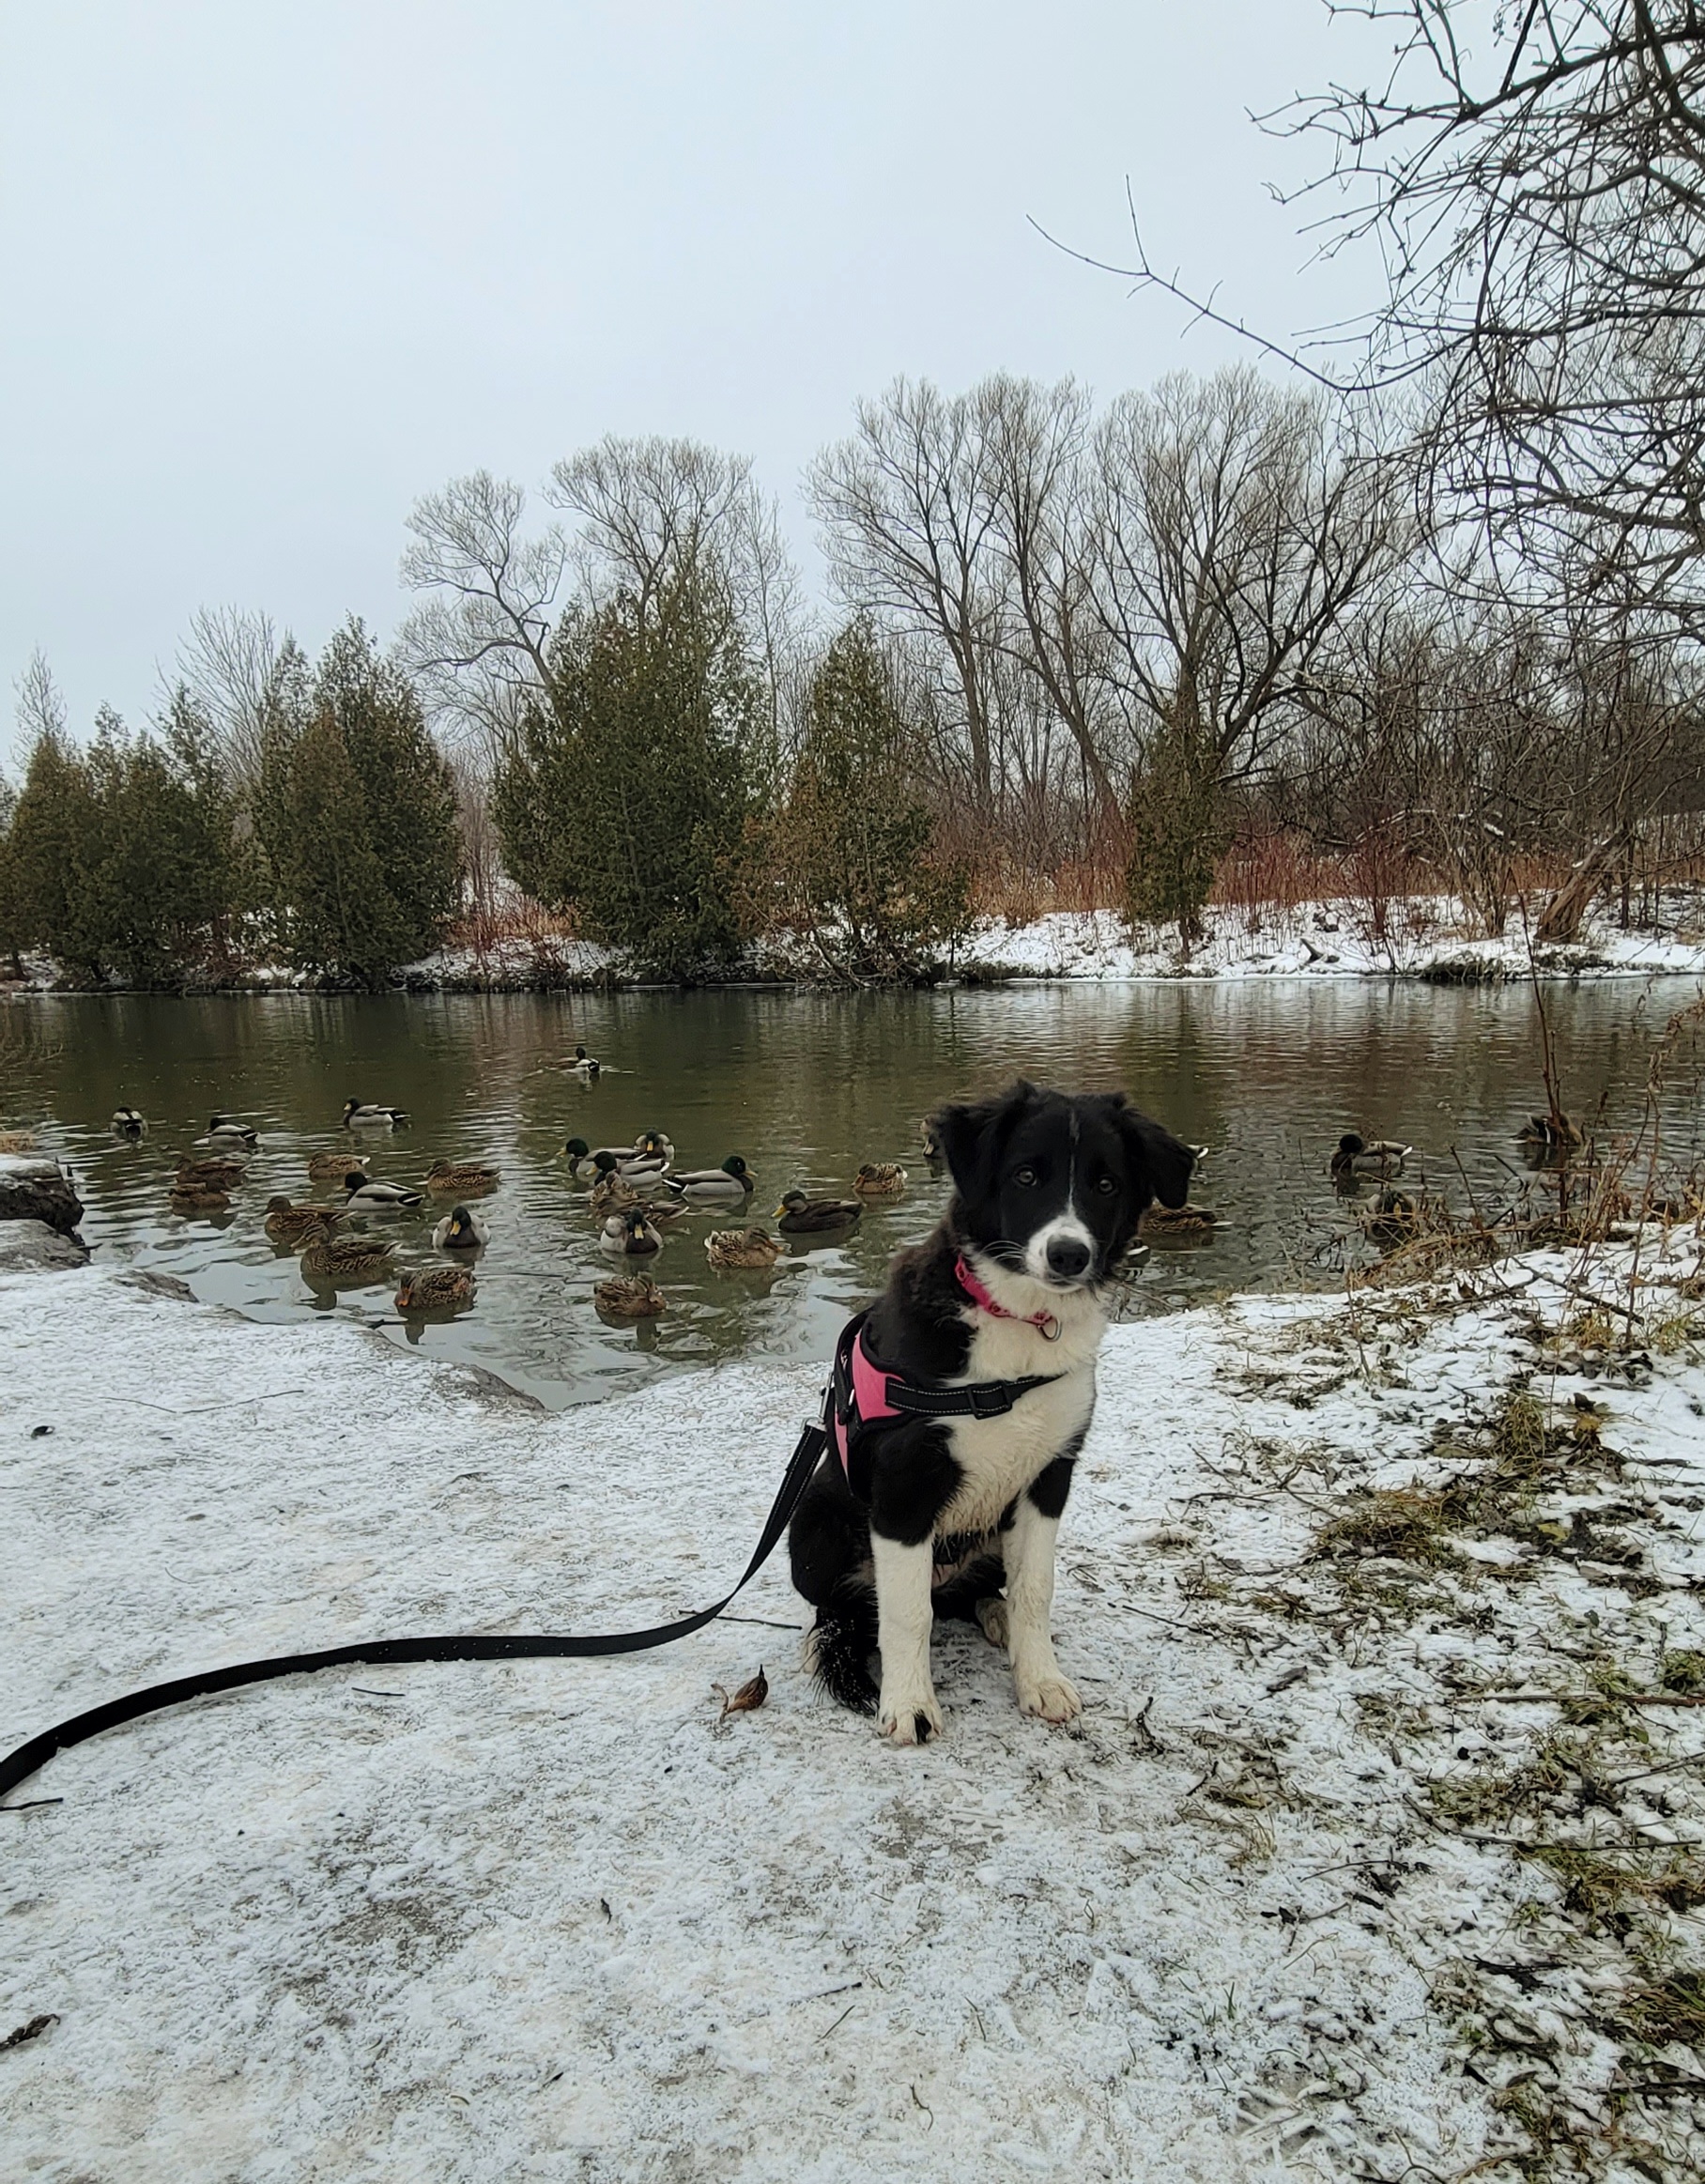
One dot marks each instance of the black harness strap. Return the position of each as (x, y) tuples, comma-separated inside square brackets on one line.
[(19, 1766)]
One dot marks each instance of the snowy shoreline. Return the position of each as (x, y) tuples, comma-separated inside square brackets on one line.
[(1428, 938), (545, 1918)]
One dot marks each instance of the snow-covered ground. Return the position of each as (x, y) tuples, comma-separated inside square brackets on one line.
[(548, 1920), (1423, 935)]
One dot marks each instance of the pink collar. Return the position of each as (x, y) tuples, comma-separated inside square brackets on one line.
[(1045, 1322)]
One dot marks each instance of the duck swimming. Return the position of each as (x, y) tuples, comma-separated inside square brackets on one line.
[(292, 1225), (1361, 1156), (880, 1179), (434, 1290), (127, 1122), (461, 1231), (334, 1167), (587, 1065), (749, 1250), (798, 1215), (630, 1234), (449, 1179), (358, 1115), (224, 1129), (630, 1297), (366, 1196), (326, 1257), (733, 1179)]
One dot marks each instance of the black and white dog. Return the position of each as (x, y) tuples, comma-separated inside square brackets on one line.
[(915, 1517)]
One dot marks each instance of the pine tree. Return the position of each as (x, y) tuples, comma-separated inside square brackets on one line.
[(853, 847), (355, 812), (1179, 831), (627, 789), (55, 825)]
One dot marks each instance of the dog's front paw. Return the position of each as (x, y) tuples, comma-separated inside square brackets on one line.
[(992, 1614), (1051, 1696), (909, 1717)]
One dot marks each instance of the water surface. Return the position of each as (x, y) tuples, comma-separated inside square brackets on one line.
[(805, 1086)]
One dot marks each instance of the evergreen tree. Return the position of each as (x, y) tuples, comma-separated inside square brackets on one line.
[(55, 824), (852, 846), (627, 790), (355, 812), (12, 936), (1178, 832)]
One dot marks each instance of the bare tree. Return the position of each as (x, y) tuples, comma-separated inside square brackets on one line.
[(1035, 470), (480, 641), (909, 524), (229, 666), (1535, 177), (1230, 538)]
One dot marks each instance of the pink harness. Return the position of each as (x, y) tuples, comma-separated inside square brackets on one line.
[(862, 1392)]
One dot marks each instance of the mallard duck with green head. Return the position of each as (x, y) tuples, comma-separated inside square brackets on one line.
[(732, 1180), (630, 1235)]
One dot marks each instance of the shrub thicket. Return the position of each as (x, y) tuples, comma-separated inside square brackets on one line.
[(851, 851), (355, 814), (625, 793)]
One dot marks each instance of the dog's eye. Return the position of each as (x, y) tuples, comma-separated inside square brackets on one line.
[(1025, 1177), (1106, 1185)]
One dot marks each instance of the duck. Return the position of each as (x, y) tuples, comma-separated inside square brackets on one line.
[(19, 1141), (630, 1234), (449, 1179), (584, 1064), (292, 1224), (335, 1167), (367, 1196), (326, 1257), (880, 1179), (751, 1250), (630, 1297), (1395, 1219), (657, 1144), (576, 1152), (225, 1130), (798, 1215), (1361, 1156), (1178, 1221), (461, 1231), (199, 1198), (931, 1139), (359, 1115), (436, 1289), (209, 1175), (1552, 1133), (611, 1194), (127, 1122), (733, 1179)]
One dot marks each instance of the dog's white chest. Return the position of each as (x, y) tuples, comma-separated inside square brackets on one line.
[(1000, 1456)]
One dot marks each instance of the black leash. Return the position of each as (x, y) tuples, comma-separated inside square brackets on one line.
[(19, 1766)]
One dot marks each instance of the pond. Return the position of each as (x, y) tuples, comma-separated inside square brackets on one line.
[(805, 1086)]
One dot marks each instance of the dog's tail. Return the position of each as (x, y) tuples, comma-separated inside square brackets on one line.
[(839, 1650)]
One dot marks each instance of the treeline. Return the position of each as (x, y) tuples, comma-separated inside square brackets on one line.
[(1111, 650), (173, 855)]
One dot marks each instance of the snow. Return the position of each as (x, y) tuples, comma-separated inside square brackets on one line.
[(1424, 936), (546, 1919)]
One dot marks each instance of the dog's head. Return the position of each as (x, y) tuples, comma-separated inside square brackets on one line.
[(1054, 1186)]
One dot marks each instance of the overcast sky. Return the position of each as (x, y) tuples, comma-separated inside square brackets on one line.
[(267, 271)]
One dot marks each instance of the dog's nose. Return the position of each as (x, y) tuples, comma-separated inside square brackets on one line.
[(1066, 1256)]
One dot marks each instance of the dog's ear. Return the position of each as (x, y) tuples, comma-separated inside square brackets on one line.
[(967, 1133), (1161, 1163)]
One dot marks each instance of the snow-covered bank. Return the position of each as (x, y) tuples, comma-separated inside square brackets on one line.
[(1427, 937), (547, 1920), (1423, 937)]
